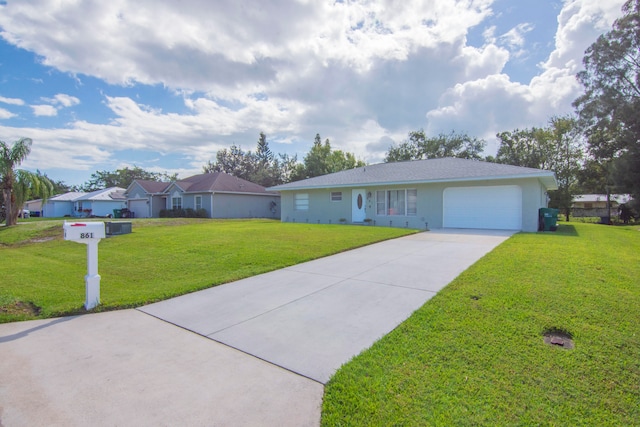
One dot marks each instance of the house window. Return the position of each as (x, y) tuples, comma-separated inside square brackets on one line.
[(198, 202), (381, 203), (412, 202), (397, 202), (176, 203), (301, 202), (336, 196)]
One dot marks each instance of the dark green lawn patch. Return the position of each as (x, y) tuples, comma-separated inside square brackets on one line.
[(159, 260), (475, 354)]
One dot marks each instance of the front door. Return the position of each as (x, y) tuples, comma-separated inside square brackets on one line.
[(358, 202)]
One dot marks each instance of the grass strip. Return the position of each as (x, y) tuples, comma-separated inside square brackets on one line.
[(474, 354), (43, 275)]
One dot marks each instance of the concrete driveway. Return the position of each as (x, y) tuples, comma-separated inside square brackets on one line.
[(261, 350)]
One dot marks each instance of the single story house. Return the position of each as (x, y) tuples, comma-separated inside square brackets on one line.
[(61, 205), (592, 205), (78, 204), (434, 193), (100, 202), (218, 195)]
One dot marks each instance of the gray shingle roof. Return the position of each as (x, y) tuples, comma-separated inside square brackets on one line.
[(218, 182), (421, 171)]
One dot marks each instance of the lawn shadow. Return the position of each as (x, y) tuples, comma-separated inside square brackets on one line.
[(567, 230)]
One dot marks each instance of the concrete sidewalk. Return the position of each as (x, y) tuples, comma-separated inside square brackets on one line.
[(301, 324)]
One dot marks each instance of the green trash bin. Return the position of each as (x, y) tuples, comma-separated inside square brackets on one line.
[(117, 213), (548, 219)]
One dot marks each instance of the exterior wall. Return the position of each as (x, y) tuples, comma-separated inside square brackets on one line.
[(53, 209), (244, 206), (158, 203), (99, 207), (429, 209), (34, 206), (189, 202)]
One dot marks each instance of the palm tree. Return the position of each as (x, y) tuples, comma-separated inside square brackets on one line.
[(19, 185)]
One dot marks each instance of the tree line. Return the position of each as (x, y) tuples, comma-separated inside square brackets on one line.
[(595, 150)]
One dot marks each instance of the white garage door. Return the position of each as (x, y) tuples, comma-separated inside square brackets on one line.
[(492, 207), (140, 208)]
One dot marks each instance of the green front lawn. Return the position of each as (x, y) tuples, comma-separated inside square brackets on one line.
[(475, 355), (41, 273)]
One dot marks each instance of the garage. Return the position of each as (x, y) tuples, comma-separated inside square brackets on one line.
[(140, 208), (492, 207)]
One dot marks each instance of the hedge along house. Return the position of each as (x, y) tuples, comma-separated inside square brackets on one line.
[(434, 193), (215, 195)]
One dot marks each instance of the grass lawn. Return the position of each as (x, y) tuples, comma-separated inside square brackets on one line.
[(475, 355), (44, 274)]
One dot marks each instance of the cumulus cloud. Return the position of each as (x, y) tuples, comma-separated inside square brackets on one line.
[(11, 101), (6, 114), (361, 73), (44, 110), (62, 100), (492, 104)]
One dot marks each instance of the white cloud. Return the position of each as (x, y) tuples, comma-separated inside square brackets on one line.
[(6, 114), (44, 110), (11, 101), (494, 103), (63, 100), (361, 73)]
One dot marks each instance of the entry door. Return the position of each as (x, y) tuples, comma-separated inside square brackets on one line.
[(358, 202)]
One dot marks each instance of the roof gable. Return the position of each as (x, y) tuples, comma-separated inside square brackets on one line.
[(149, 187), (108, 195), (66, 197), (218, 182), (421, 171)]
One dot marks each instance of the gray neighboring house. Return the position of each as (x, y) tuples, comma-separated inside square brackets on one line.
[(443, 193), (220, 195)]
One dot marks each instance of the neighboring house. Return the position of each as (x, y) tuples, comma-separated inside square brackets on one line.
[(443, 193), (217, 194), (593, 205), (34, 207), (100, 202), (61, 205)]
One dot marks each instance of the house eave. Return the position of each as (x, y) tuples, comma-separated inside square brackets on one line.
[(548, 180)]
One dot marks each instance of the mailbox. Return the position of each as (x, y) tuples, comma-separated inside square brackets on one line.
[(84, 232), (89, 233)]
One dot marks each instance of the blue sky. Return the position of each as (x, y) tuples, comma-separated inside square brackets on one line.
[(164, 85)]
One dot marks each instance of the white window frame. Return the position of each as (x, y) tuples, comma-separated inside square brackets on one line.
[(407, 196), (301, 202), (177, 205), (336, 196), (198, 202)]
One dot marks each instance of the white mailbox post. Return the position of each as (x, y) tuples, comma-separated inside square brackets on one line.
[(90, 234)]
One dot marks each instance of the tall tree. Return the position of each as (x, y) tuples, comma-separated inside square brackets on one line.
[(19, 185), (609, 109), (123, 178), (557, 147), (261, 167), (528, 148), (419, 146), (566, 159), (322, 160)]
